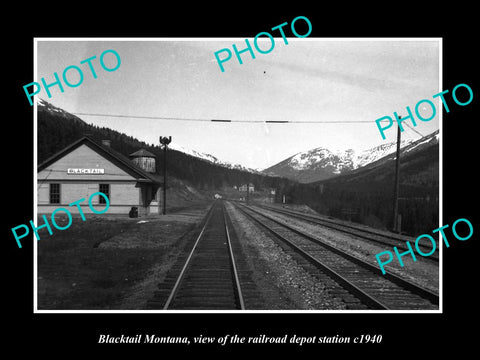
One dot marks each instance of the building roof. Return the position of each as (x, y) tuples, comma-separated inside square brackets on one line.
[(142, 152), (112, 155)]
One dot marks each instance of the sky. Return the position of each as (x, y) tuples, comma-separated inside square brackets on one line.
[(308, 80)]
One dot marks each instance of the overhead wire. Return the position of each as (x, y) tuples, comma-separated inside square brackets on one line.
[(228, 120), (411, 128)]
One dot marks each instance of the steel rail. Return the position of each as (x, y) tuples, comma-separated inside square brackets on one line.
[(353, 289), (232, 259), (334, 225), (235, 277), (187, 262), (424, 293)]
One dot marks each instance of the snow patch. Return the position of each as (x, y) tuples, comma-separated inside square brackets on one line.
[(341, 160), (210, 158)]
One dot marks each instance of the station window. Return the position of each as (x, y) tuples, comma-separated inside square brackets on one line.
[(54, 193), (104, 188)]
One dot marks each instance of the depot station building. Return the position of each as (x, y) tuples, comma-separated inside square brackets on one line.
[(86, 167)]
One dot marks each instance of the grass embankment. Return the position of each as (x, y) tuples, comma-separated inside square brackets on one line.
[(97, 263)]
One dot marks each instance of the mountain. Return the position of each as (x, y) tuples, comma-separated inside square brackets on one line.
[(321, 164), (56, 128), (197, 154), (419, 167), (365, 194), (212, 159), (44, 106)]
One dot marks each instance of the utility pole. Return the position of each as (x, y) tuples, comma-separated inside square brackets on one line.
[(248, 188), (165, 141), (396, 186)]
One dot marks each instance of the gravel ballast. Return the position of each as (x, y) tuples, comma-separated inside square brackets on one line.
[(423, 272), (283, 282)]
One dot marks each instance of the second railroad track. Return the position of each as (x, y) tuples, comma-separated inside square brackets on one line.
[(360, 279)]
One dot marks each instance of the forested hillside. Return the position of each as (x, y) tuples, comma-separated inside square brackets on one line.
[(366, 196), (57, 129)]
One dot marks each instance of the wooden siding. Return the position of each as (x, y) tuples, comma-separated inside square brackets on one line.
[(112, 210), (122, 197), (125, 190), (146, 163), (83, 157)]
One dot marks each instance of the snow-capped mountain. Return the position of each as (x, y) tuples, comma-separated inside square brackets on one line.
[(211, 158), (195, 153), (321, 163), (45, 106)]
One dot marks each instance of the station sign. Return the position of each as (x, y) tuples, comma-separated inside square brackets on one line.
[(85, 171)]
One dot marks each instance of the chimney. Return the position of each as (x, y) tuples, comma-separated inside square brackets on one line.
[(106, 142)]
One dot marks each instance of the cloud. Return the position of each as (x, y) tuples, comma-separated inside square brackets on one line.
[(359, 80)]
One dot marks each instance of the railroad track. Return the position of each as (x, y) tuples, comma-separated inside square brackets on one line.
[(376, 237), (360, 279), (208, 278)]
